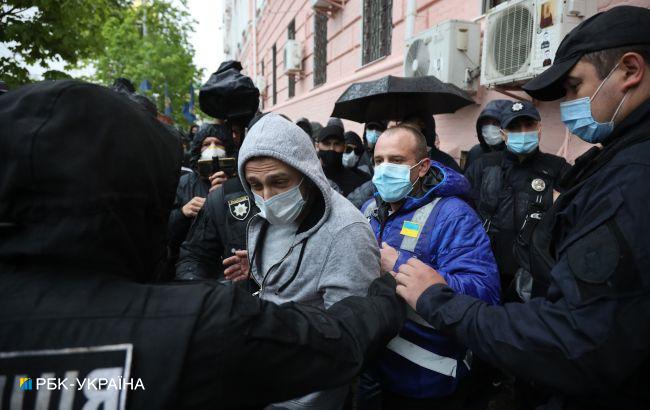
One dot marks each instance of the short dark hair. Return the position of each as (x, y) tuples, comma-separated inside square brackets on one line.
[(421, 150), (605, 60)]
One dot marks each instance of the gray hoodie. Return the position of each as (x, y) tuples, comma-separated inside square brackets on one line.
[(334, 253)]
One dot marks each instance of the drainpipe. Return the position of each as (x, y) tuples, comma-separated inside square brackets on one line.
[(411, 12), (254, 41)]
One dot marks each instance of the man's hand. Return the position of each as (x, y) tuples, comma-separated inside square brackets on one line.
[(388, 257), (413, 278), (237, 266), (217, 179), (193, 207)]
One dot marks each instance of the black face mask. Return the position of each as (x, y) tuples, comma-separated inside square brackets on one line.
[(332, 160)]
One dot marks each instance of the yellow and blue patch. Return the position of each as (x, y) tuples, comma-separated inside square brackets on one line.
[(410, 229)]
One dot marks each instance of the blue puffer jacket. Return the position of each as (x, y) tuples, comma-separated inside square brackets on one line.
[(420, 362)]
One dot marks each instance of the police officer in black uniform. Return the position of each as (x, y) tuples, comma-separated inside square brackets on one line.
[(585, 333), (87, 183), (219, 229), (512, 189)]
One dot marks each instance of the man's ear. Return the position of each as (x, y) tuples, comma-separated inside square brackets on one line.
[(539, 131), (634, 69), (424, 167), (504, 135)]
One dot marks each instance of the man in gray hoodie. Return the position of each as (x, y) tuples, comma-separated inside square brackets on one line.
[(308, 243)]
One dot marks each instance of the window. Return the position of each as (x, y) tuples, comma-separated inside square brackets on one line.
[(320, 49), (291, 35), (275, 79), (377, 29), (488, 4)]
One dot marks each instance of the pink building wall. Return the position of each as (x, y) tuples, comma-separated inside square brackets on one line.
[(456, 131)]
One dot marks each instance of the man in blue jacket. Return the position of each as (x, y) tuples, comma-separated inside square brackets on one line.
[(418, 213), (584, 336)]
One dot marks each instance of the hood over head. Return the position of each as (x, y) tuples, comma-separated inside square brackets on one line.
[(353, 138), (275, 137), (221, 131), (87, 181), (493, 109)]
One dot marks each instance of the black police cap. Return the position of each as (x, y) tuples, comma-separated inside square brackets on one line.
[(619, 27), (518, 109)]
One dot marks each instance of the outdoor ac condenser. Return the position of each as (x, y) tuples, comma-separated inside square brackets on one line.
[(292, 57), (521, 37), (450, 51)]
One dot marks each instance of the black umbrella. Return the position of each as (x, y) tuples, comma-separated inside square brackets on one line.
[(394, 98)]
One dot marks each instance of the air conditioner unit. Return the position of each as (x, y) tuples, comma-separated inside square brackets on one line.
[(521, 37), (260, 84), (292, 57), (450, 51)]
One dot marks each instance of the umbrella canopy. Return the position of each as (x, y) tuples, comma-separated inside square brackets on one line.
[(394, 98)]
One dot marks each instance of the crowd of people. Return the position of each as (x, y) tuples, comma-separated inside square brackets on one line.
[(261, 262)]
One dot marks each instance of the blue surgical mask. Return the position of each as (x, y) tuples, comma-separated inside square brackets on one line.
[(393, 181), (283, 208), (371, 137), (523, 142), (576, 115)]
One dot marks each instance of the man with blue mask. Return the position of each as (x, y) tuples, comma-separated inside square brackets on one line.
[(419, 212), (308, 243), (511, 187), (584, 334)]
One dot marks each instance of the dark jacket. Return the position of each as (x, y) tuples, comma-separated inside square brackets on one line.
[(493, 110), (504, 194), (585, 332), (347, 179), (220, 228), (79, 249)]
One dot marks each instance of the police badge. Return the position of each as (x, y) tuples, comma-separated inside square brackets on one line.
[(240, 207)]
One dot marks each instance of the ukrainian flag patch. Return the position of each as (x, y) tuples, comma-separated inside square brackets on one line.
[(410, 229)]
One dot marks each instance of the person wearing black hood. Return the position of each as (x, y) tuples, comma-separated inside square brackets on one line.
[(488, 131), (211, 141), (427, 125), (353, 151), (330, 146), (82, 238)]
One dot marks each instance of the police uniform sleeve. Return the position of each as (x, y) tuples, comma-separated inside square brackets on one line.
[(250, 352), (200, 253), (590, 332)]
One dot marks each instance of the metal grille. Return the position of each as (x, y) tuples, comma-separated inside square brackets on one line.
[(320, 49), (291, 35), (512, 38), (377, 29), (275, 76)]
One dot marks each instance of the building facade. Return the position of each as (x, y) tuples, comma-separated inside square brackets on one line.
[(362, 40)]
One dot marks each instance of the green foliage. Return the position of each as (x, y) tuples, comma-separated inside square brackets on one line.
[(37, 32), (162, 54), (107, 34)]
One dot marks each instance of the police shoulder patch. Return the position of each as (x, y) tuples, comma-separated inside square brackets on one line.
[(239, 207), (594, 258)]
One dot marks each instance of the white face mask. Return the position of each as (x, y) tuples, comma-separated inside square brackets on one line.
[(491, 134), (350, 159), (213, 151), (283, 208)]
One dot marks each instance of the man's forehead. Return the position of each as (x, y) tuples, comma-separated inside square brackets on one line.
[(267, 165)]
